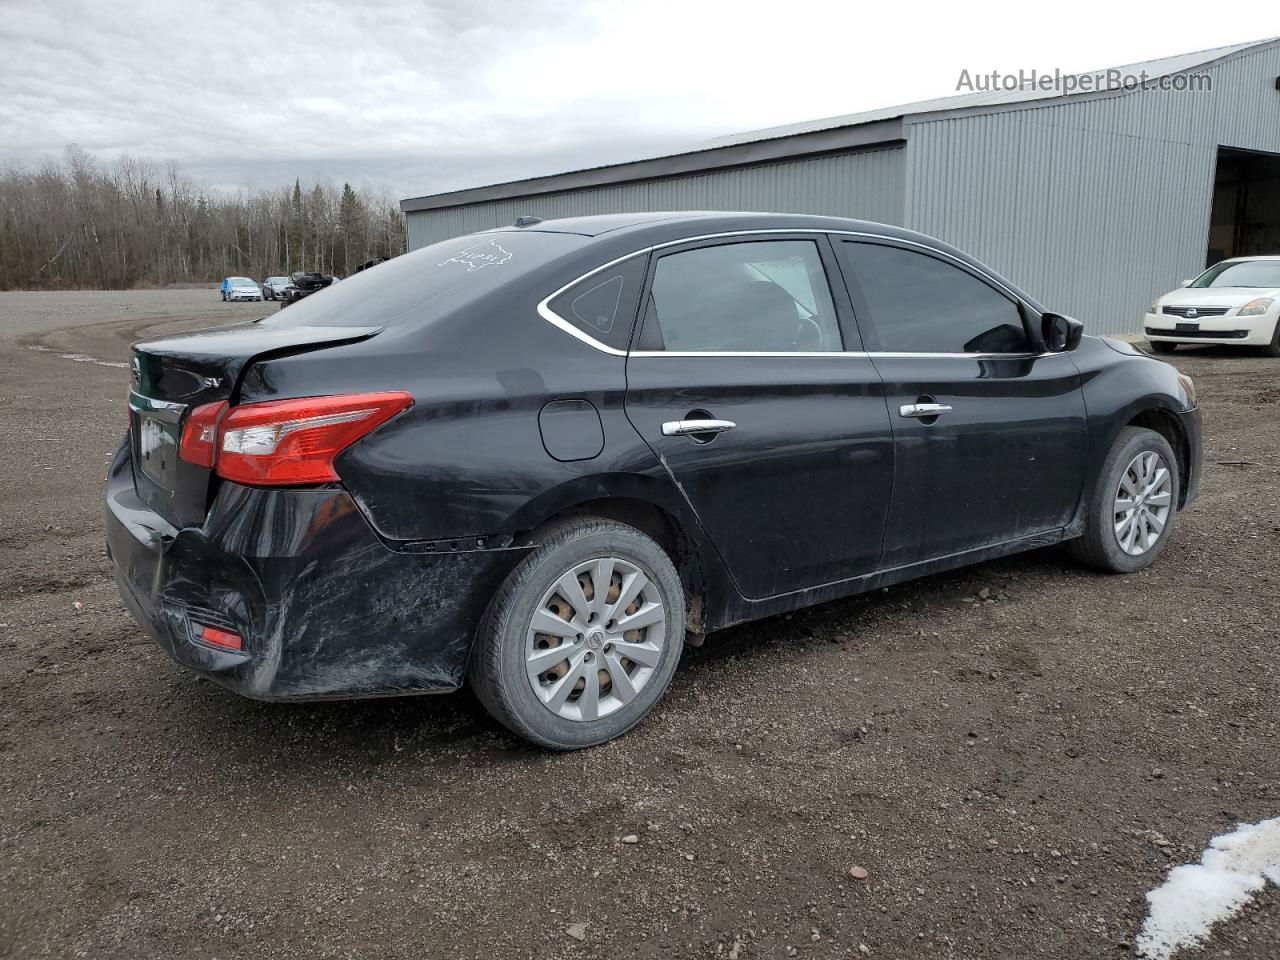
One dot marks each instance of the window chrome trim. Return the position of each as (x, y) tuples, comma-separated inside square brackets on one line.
[(863, 354), (545, 311), (553, 318)]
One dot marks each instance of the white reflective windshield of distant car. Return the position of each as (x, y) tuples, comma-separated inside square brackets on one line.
[(1240, 273), (241, 282)]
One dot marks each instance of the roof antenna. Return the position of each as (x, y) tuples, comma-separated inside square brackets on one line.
[(527, 221)]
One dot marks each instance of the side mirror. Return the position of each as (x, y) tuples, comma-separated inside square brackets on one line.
[(1060, 333), (1186, 282)]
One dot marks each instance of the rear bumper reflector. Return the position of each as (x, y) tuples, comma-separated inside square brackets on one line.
[(221, 638)]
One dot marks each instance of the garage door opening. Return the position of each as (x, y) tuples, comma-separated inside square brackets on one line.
[(1246, 205)]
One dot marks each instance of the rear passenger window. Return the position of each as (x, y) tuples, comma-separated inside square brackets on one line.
[(920, 304), (759, 296), (603, 305)]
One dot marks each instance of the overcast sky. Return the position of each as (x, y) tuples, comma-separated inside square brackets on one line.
[(420, 97)]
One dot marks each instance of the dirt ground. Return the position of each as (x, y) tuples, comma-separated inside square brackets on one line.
[(1014, 773)]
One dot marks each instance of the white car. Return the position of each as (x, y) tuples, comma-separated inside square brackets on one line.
[(1236, 302)]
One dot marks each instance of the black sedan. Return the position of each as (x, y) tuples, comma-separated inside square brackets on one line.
[(540, 459)]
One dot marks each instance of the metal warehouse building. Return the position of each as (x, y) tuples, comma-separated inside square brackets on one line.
[(1094, 201)]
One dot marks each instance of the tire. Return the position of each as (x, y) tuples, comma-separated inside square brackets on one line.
[(1101, 546), (1162, 346), (497, 671), (1273, 348)]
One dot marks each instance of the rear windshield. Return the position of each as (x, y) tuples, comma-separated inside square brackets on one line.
[(426, 282)]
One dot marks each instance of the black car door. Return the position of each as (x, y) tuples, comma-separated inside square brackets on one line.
[(989, 433), (748, 385)]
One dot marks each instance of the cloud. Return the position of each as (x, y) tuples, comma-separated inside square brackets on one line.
[(419, 97)]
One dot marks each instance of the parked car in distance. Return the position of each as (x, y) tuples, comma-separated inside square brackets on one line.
[(303, 284), (273, 288), (537, 459), (1234, 302), (240, 288)]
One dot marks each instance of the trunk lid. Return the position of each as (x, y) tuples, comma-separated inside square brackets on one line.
[(171, 376)]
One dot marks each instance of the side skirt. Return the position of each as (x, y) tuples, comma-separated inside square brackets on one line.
[(739, 610)]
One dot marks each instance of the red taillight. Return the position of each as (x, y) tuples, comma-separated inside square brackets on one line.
[(200, 434), (221, 638), (283, 442)]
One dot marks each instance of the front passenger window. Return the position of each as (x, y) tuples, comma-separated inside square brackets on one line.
[(768, 296), (921, 304)]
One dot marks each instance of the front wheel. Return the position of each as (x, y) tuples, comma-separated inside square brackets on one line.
[(1273, 348), (1162, 346), (1132, 505), (583, 637)]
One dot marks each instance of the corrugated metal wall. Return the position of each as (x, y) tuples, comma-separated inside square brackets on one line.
[(1094, 207), (866, 185)]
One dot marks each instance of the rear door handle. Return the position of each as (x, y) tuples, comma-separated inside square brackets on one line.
[(923, 409), (685, 428)]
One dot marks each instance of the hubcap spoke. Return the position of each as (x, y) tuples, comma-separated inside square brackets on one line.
[(540, 661), (1123, 527), (647, 615), (589, 699), (544, 621), (639, 652), (601, 580), (558, 694), (571, 590), (1155, 523), (622, 685), (632, 584)]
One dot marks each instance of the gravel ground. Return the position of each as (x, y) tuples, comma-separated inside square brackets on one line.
[(1015, 753)]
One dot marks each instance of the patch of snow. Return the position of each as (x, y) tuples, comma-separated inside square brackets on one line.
[(1195, 896)]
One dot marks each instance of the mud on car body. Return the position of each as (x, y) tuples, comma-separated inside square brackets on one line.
[(538, 458)]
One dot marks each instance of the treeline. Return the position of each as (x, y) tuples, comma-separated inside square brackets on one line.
[(80, 224)]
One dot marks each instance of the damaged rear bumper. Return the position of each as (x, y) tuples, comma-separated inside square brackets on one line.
[(325, 608)]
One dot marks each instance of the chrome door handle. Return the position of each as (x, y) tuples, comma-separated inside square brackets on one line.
[(684, 428), (923, 409)]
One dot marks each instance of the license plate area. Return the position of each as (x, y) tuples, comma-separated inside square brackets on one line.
[(1186, 327), (157, 450)]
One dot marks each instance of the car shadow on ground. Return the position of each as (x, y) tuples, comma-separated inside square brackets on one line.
[(441, 729)]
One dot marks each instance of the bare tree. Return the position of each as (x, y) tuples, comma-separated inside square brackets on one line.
[(79, 224)]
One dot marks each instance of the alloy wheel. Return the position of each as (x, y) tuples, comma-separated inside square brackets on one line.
[(1143, 502), (596, 639)]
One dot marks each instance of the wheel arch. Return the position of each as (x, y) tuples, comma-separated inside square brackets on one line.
[(1163, 421), (648, 506)]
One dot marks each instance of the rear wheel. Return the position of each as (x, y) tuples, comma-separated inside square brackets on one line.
[(1132, 505), (582, 638), (1162, 346)]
